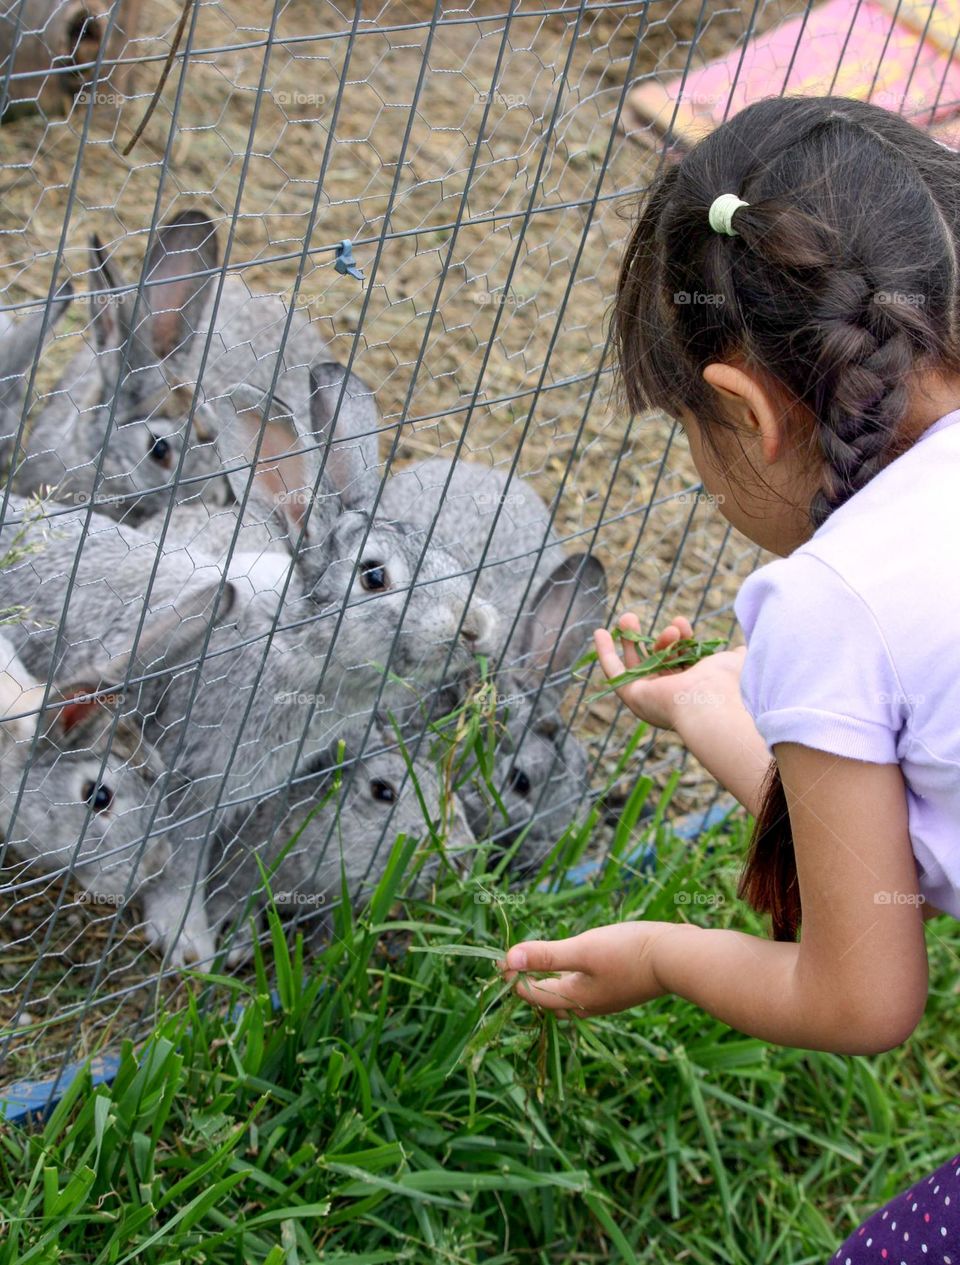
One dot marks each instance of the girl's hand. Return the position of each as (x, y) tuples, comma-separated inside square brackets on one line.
[(660, 700), (601, 971)]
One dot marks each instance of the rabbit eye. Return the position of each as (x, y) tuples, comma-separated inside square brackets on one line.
[(382, 791), (160, 450), (98, 796), (373, 576), (519, 781)]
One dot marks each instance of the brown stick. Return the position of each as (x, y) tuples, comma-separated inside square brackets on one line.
[(178, 36)]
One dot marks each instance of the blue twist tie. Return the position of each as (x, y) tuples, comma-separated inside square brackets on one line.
[(344, 261)]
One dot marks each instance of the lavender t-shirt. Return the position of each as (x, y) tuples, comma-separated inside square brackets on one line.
[(853, 643)]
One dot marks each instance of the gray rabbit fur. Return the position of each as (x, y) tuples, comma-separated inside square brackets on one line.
[(305, 659), (340, 439), (303, 834), (74, 800), (145, 370), (20, 341), (548, 604), (237, 732), (80, 579), (80, 613)]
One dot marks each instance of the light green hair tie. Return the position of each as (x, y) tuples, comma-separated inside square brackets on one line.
[(721, 213)]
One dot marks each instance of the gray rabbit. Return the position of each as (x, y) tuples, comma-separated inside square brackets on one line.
[(541, 770), (348, 613), (237, 725), (305, 833), (21, 344), (75, 801), (342, 439), (548, 604), (81, 579), (145, 369), (81, 588)]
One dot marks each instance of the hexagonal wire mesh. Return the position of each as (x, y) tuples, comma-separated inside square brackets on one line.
[(475, 159)]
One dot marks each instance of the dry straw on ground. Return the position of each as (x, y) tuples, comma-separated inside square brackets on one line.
[(505, 316)]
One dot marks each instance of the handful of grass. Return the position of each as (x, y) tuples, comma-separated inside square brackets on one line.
[(681, 654)]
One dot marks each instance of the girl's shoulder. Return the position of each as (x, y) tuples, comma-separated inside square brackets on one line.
[(861, 621), (902, 528), (893, 548)]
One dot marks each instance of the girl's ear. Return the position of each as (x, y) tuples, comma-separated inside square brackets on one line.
[(752, 403)]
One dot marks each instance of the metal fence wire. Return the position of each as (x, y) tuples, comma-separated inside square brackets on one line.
[(309, 438)]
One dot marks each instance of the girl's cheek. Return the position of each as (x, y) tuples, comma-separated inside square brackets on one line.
[(704, 468)]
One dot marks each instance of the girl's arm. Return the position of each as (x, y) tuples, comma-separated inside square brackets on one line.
[(855, 984), (717, 728)]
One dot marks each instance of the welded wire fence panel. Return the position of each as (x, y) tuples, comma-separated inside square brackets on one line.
[(306, 392)]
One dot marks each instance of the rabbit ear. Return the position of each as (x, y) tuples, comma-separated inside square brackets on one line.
[(571, 602), (75, 714), (21, 337), (108, 319), (285, 471), (185, 244), (80, 719), (19, 345), (350, 430), (171, 634), (19, 693)]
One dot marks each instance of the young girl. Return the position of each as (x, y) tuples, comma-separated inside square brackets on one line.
[(791, 294)]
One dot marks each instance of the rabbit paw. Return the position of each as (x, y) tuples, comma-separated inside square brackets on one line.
[(241, 946), (182, 936)]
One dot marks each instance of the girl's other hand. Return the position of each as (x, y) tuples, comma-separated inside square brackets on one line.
[(602, 971)]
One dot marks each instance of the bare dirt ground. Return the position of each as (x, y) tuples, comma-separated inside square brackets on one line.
[(482, 314)]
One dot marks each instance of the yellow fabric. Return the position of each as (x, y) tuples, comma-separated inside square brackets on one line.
[(944, 24)]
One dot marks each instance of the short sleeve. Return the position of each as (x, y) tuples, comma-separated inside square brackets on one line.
[(817, 670)]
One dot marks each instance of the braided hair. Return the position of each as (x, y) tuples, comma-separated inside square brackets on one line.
[(841, 282)]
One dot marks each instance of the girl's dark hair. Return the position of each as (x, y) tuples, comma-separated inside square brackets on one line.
[(841, 282)]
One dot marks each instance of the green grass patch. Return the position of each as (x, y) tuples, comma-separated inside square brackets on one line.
[(392, 1101)]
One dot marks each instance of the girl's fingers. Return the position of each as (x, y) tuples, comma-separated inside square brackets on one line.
[(666, 638), (560, 995), (676, 630), (607, 656), (631, 655), (549, 955)]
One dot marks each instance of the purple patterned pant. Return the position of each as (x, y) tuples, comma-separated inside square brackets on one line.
[(919, 1227)]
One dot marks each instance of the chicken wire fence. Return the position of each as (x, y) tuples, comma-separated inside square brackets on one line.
[(305, 388)]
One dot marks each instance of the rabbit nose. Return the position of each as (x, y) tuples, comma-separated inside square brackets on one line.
[(477, 629)]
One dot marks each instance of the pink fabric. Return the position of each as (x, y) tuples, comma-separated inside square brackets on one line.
[(848, 48)]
